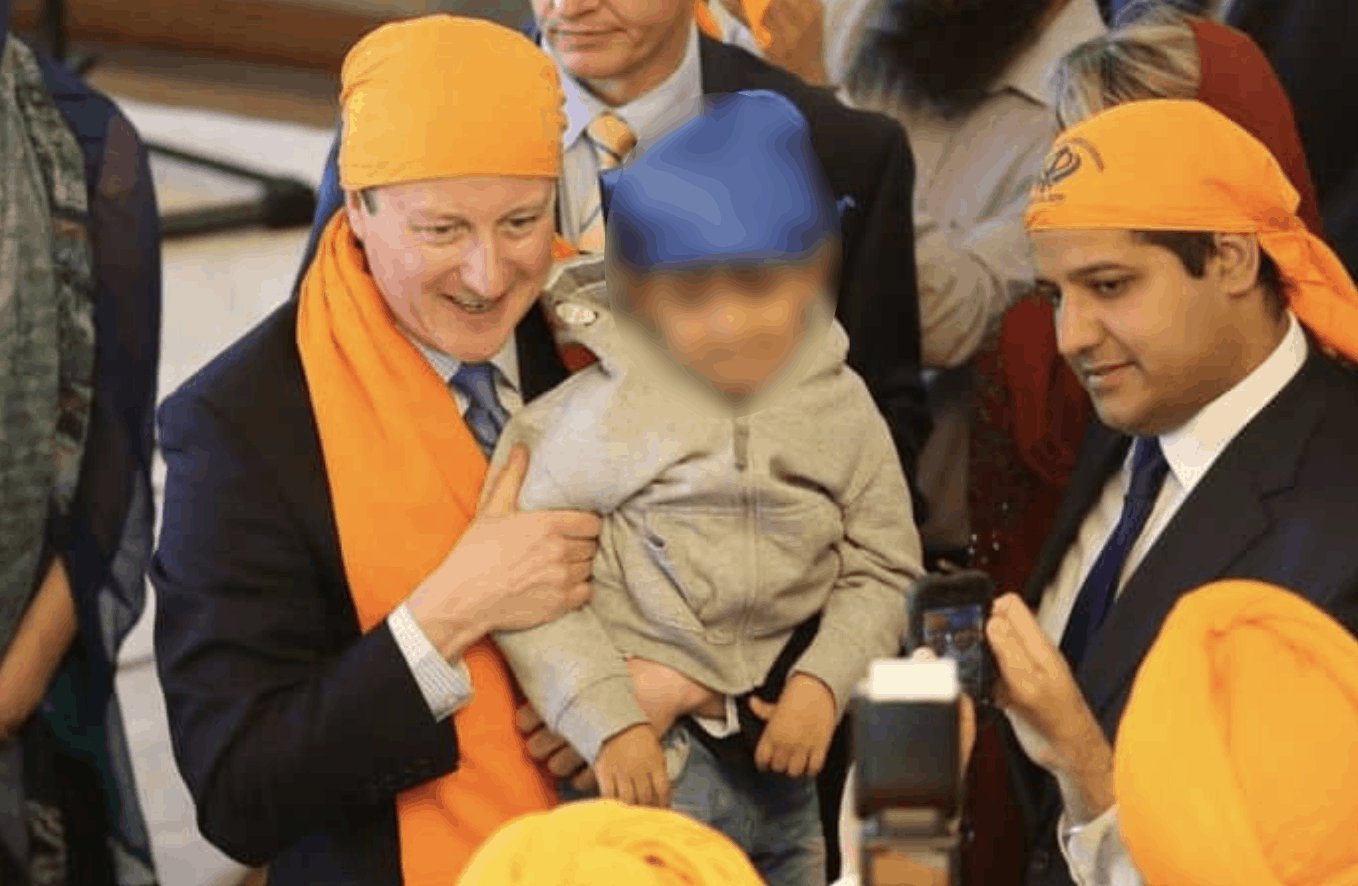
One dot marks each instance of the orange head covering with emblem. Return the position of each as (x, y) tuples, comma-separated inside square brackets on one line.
[(604, 843), (1237, 756), (427, 98), (1166, 165)]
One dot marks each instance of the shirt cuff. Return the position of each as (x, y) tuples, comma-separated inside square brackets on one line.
[(447, 688), (721, 728), (1094, 852)]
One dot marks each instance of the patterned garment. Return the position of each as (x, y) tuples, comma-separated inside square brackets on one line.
[(74, 201)]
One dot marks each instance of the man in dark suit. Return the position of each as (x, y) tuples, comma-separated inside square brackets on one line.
[(1224, 445), (636, 60), (312, 675)]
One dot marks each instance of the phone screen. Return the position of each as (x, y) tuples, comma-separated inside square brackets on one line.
[(957, 632)]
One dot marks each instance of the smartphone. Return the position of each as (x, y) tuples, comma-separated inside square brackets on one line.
[(948, 613)]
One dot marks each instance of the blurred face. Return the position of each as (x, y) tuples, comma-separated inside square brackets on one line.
[(620, 48), (1150, 343), (459, 260), (735, 326)]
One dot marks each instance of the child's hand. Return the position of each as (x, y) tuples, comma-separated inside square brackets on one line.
[(631, 768), (665, 695), (799, 728)]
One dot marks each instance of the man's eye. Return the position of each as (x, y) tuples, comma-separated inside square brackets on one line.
[(1108, 288), (524, 222), (438, 230)]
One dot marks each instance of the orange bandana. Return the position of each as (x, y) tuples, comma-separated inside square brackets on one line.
[(442, 96), (1181, 166), (1235, 759), (405, 475)]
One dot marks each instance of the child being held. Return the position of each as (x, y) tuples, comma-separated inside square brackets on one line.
[(746, 482)]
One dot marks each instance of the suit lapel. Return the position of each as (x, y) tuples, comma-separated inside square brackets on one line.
[(1101, 453), (1216, 525), (540, 368)]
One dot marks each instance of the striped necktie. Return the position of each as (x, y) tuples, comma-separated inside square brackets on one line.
[(485, 415), (1149, 469), (612, 140)]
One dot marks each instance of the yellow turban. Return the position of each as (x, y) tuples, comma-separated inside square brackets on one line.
[(444, 96), (1165, 165), (1237, 757), (605, 843)]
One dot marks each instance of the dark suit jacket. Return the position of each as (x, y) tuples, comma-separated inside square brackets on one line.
[(293, 732), (872, 173), (1279, 505)]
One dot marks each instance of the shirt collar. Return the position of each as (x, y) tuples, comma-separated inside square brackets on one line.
[(643, 113), (446, 365), (1077, 22), (1191, 450)]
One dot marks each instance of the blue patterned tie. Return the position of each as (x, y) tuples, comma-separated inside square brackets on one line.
[(1096, 596), (485, 415)]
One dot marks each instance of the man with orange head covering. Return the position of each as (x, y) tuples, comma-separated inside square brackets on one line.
[(1167, 240), (326, 581)]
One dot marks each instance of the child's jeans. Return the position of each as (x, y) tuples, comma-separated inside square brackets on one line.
[(774, 818)]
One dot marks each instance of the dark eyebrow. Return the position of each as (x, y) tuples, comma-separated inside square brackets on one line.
[(1097, 268)]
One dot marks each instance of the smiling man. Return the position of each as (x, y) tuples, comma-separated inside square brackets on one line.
[(1184, 285), (326, 582)]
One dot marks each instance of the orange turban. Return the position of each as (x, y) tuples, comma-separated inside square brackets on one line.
[(605, 843), (1181, 166), (443, 96), (1237, 757)]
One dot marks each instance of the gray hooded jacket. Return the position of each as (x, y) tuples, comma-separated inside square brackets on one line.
[(721, 532)]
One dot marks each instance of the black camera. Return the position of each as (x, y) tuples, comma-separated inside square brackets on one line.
[(907, 774)]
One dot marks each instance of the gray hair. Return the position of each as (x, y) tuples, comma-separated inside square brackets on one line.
[(1155, 56)]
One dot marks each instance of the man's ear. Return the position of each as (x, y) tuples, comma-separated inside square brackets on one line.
[(358, 215), (1237, 260)]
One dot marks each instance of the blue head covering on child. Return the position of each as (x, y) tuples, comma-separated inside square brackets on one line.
[(738, 183)]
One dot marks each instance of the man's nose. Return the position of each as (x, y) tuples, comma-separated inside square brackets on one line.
[(569, 9), (1077, 326), (484, 268)]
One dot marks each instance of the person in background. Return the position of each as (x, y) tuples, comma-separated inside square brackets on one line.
[(1308, 43), (1218, 451), (326, 581), (605, 843), (788, 33), (79, 353)]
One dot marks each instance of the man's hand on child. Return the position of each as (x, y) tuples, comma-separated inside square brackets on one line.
[(631, 768), (553, 753), (664, 695), (799, 729)]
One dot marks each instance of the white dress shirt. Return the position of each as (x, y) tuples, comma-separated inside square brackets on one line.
[(649, 116), (447, 687), (1094, 852), (973, 176)]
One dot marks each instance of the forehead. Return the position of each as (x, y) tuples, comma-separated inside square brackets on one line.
[(1063, 253), (467, 196)]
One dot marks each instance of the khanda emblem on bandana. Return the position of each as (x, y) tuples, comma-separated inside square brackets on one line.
[(1066, 159)]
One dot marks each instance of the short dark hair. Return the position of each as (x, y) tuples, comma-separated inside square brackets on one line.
[(1194, 248), (369, 198)]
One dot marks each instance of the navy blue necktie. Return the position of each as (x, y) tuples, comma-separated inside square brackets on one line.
[(1100, 588), (485, 415)]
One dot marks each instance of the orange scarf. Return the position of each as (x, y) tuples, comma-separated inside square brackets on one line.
[(1235, 757), (405, 476)]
